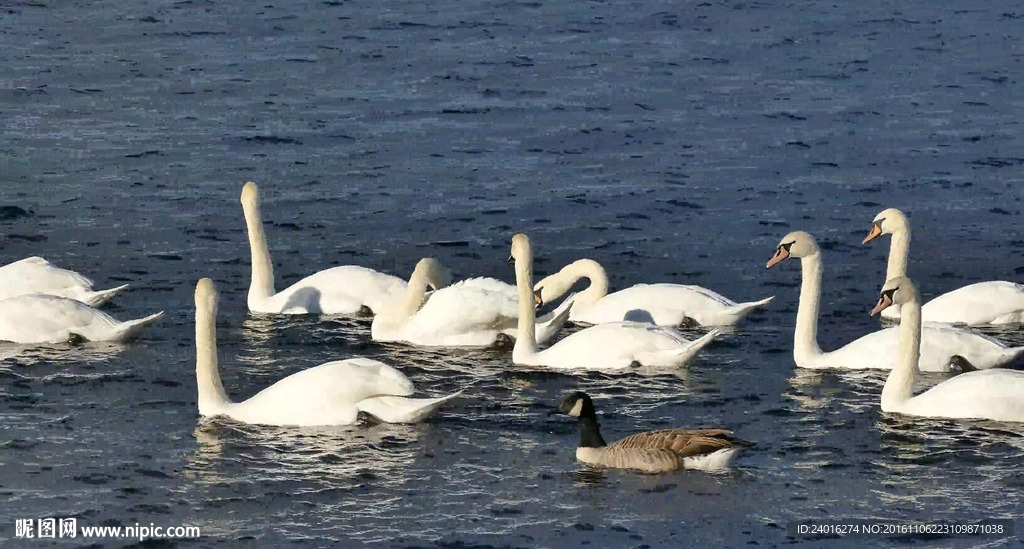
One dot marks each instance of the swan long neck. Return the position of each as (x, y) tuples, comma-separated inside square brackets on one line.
[(526, 334), (212, 398), (899, 386), (561, 281), (409, 303), (805, 336), (262, 281), (899, 254)]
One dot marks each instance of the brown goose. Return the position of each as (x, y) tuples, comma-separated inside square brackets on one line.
[(653, 451)]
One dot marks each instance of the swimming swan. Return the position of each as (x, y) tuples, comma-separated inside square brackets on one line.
[(346, 290), (989, 394), (662, 304), (991, 302), (942, 346), (654, 451), (39, 318), (611, 346), (35, 275), (473, 313), (329, 394)]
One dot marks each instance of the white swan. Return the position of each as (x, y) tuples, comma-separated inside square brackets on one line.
[(991, 302), (662, 304), (611, 346), (473, 313), (39, 318), (347, 289), (989, 394), (329, 394), (35, 275), (942, 346)]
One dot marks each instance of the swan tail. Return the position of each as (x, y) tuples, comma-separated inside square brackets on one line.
[(739, 311), (396, 409), (549, 324), (677, 357), (130, 328), (99, 297)]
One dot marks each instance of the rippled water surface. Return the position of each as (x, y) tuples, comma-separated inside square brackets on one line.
[(671, 141)]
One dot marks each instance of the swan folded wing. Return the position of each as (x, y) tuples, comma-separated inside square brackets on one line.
[(463, 308), (990, 302), (338, 290), (683, 442), (37, 275), (400, 409), (39, 318)]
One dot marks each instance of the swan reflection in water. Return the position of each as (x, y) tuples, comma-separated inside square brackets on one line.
[(64, 353), (331, 457)]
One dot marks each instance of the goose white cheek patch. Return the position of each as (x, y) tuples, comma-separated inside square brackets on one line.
[(577, 409)]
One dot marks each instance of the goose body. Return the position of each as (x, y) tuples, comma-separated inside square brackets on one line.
[(942, 346), (654, 451), (611, 346), (989, 394), (35, 275), (39, 318), (991, 302), (328, 394), (472, 313), (662, 304), (346, 290)]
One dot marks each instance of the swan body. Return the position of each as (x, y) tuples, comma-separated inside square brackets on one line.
[(328, 394), (651, 452), (662, 304), (471, 313), (35, 275), (39, 318), (942, 345), (991, 302), (612, 346), (345, 290), (988, 394)]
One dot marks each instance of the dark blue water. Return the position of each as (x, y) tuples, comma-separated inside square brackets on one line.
[(670, 141)]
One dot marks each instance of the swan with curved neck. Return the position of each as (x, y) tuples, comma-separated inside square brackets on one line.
[(610, 346), (477, 312), (991, 302), (40, 318), (662, 304), (347, 289), (990, 394), (329, 394), (943, 345), (35, 275)]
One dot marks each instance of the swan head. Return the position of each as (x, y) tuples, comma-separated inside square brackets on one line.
[(795, 244), (250, 194), (896, 291), (206, 295), (887, 221), (578, 404), (521, 251), (433, 272)]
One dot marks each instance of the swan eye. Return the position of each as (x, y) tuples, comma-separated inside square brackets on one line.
[(786, 246)]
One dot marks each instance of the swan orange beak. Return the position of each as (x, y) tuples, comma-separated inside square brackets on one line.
[(883, 302), (780, 255), (876, 231), (538, 301)]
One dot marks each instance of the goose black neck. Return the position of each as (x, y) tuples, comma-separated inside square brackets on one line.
[(590, 432)]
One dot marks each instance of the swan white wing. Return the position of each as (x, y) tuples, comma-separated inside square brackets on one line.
[(613, 346), (35, 275), (338, 290), (461, 313), (40, 318), (662, 304), (397, 409), (939, 345), (323, 395), (989, 394), (992, 302)]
